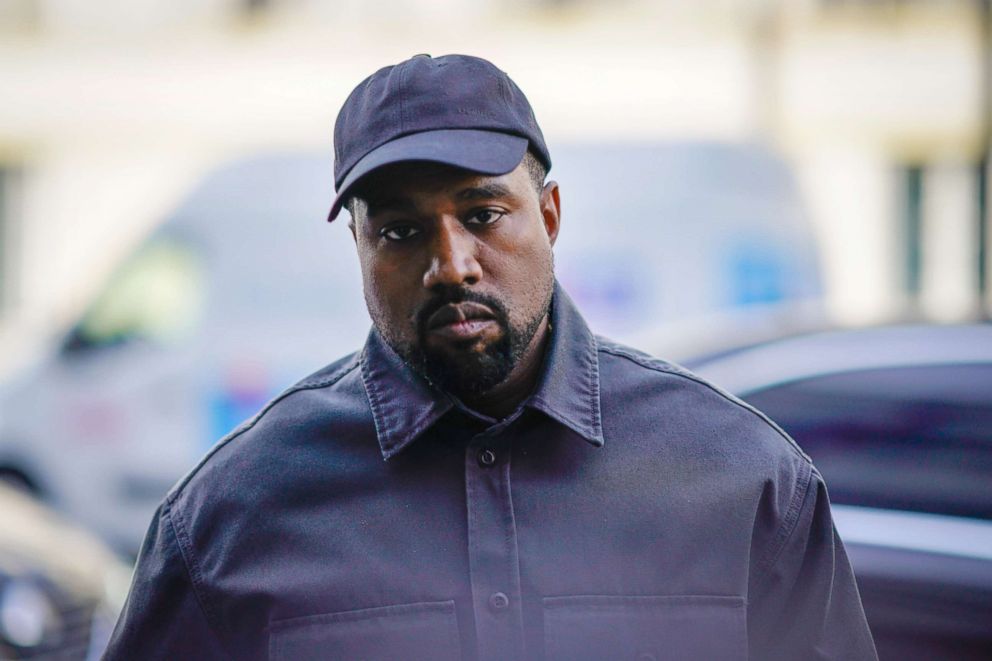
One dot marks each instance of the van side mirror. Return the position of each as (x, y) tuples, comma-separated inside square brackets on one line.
[(80, 343), (75, 342)]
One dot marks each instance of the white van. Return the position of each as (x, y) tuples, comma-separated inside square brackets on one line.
[(245, 289)]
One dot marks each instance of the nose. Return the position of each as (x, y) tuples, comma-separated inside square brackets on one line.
[(453, 259)]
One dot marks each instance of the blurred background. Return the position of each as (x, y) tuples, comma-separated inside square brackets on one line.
[(790, 196)]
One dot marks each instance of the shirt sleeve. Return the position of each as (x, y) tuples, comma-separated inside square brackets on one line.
[(805, 603), (163, 617)]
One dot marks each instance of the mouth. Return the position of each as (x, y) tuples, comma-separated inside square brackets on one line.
[(462, 321)]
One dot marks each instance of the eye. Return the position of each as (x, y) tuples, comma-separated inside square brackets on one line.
[(485, 217), (399, 232)]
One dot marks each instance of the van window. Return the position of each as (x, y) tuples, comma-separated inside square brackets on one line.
[(156, 297)]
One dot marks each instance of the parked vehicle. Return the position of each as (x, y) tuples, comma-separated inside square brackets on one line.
[(60, 588), (899, 422), (245, 289)]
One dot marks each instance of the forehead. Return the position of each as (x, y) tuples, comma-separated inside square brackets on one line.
[(421, 181)]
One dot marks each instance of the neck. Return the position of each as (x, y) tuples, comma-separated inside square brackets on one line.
[(503, 399)]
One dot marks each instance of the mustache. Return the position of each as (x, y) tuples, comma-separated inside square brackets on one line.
[(449, 295)]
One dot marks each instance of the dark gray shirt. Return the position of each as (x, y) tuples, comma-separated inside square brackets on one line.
[(627, 510)]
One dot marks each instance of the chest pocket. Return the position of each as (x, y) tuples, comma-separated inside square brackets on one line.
[(417, 632), (664, 628)]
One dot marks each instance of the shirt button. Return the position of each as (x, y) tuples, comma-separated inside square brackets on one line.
[(487, 458), (498, 601)]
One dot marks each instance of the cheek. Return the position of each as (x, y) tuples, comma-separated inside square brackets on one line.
[(386, 287), (524, 273)]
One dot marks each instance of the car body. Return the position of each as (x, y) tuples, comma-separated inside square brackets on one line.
[(898, 419), (245, 289), (61, 589)]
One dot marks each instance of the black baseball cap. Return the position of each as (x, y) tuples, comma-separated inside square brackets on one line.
[(455, 109)]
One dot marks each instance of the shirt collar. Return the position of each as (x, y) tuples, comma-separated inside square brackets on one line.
[(568, 390), (404, 404)]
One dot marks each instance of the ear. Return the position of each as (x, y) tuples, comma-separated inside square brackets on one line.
[(551, 210)]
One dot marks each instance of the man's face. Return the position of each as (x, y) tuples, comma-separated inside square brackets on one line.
[(457, 268)]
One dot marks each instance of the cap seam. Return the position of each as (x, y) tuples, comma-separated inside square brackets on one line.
[(405, 77)]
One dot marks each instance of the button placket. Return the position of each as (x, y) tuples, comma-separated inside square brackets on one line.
[(493, 559)]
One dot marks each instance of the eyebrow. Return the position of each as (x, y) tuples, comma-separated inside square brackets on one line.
[(484, 191), (399, 203)]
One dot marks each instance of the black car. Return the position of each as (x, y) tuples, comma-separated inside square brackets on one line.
[(898, 420)]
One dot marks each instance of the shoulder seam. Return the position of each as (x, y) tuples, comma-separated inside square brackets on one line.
[(799, 497), (804, 474), (665, 368), (303, 385), (192, 570)]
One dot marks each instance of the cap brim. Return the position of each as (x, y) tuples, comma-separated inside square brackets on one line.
[(485, 152)]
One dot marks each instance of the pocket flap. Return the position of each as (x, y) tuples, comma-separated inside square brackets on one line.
[(645, 627), (418, 632)]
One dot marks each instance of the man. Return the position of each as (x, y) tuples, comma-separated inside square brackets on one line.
[(487, 479)]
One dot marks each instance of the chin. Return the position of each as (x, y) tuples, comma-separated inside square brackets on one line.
[(469, 372)]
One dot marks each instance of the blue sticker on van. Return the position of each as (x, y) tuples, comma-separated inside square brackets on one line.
[(755, 274), (229, 407)]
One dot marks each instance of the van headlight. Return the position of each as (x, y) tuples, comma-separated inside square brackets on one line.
[(26, 613)]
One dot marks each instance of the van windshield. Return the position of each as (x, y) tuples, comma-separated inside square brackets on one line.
[(156, 296)]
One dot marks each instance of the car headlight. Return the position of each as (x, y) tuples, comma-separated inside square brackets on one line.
[(26, 613)]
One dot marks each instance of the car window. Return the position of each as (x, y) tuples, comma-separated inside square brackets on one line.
[(910, 438), (156, 296)]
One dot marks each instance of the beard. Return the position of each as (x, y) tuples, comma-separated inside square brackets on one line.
[(466, 372)]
